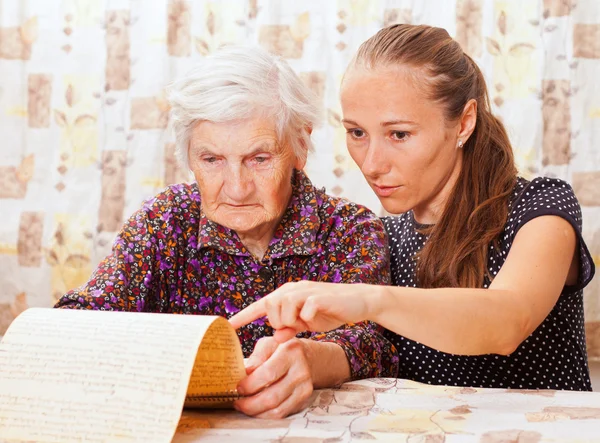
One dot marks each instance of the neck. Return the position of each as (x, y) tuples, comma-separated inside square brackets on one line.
[(257, 241)]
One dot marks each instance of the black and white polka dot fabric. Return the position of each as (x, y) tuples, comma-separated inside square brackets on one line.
[(554, 356)]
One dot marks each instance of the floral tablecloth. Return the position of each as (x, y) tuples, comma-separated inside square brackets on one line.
[(406, 411)]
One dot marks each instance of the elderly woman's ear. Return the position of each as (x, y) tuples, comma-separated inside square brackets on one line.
[(301, 160)]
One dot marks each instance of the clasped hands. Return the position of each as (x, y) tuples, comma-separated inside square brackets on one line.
[(280, 379)]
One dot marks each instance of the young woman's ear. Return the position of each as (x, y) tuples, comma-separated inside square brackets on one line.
[(468, 120)]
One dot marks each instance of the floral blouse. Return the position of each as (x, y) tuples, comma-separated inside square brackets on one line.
[(170, 258)]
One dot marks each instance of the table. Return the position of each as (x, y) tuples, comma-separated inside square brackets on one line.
[(402, 411)]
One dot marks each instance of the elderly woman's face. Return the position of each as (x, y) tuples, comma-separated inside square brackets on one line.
[(243, 173)]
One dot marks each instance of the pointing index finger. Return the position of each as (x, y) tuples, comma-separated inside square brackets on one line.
[(247, 315)]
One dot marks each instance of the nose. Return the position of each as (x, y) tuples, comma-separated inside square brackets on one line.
[(375, 163), (238, 184)]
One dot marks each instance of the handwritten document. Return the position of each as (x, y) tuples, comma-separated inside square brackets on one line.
[(217, 370), (94, 376)]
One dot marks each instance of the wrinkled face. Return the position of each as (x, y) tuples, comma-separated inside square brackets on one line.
[(400, 139), (243, 173)]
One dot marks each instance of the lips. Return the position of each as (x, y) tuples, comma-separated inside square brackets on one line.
[(384, 191)]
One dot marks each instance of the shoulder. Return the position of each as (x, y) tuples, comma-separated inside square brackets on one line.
[(550, 196), (544, 196), (338, 210), (173, 198), (334, 211), (177, 204)]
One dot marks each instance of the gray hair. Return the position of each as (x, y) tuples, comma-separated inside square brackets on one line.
[(236, 82)]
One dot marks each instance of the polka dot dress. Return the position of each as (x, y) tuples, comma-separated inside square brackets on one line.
[(554, 355)]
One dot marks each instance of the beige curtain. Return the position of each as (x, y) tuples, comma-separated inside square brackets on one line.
[(83, 116)]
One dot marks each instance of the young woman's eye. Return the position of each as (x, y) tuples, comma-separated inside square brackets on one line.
[(356, 133), (399, 135)]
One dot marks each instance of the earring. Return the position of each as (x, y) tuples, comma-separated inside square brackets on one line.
[(460, 144)]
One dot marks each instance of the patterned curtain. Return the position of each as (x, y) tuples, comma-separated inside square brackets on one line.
[(83, 115)]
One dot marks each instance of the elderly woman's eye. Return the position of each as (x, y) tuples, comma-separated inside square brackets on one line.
[(260, 159), (209, 160)]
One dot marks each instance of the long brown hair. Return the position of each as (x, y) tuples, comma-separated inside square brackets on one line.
[(456, 252)]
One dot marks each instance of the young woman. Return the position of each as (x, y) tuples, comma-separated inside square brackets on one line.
[(488, 268)]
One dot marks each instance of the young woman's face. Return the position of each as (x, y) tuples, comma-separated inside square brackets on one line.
[(400, 140)]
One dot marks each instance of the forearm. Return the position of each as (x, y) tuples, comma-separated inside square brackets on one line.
[(365, 349), (454, 320), (328, 363), (87, 297)]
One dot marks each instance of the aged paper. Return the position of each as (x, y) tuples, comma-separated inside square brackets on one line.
[(218, 368), (97, 376)]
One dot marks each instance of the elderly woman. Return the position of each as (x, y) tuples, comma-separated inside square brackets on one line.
[(252, 222)]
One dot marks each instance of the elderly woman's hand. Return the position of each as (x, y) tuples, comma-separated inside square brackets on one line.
[(312, 306), (279, 381)]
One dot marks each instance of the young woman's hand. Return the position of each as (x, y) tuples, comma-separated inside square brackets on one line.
[(311, 306)]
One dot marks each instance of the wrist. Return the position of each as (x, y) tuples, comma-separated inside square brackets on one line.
[(376, 302), (309, 353), (327, 363)]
